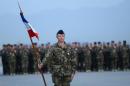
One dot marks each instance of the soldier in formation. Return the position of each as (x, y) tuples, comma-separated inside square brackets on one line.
[(21, 59)]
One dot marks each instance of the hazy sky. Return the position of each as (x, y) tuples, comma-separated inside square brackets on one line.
[(82, 20)]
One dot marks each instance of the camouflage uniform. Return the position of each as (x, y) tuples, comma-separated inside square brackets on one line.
[(76, 50), (8, 55), (81, 59), (94, 61), (114, 58), (120, 57), (107, 58), (125, 57), (5, 60), (100, 58), (18, 61), (32, 61), (87, 58), (12, 61), (62, 64), (24, 60)]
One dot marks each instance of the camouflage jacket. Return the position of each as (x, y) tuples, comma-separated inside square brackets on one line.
[(61, 61)]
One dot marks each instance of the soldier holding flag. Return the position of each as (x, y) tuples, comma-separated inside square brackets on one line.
[(61, 61)]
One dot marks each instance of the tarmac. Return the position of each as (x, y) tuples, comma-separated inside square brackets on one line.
[(80, 79)]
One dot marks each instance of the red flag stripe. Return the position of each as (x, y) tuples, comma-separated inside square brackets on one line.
[(32, 33)]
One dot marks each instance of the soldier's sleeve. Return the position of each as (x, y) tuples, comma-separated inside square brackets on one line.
[(48, 57)]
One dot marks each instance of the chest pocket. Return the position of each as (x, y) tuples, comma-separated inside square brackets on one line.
[(61, 56)]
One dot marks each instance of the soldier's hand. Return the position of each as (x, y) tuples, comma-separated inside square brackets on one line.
[(40, 66)]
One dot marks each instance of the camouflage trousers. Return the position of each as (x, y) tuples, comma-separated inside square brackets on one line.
[(61, 80)]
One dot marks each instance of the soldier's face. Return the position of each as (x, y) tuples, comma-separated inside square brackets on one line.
[(61, 37)]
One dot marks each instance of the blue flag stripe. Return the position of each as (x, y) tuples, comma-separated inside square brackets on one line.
[(23, 19)]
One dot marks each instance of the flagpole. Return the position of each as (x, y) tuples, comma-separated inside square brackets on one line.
[(34, 48), (19, 6), (38, 61)]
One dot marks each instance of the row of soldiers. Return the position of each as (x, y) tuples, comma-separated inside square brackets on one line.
[(19, 59), (103, 56)]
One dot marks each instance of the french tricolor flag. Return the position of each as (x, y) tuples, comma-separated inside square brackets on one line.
[(30, 29)]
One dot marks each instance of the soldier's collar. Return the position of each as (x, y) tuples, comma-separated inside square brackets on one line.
[(65, 46)]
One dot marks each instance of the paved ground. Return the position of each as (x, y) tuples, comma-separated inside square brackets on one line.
[(80, 79)]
